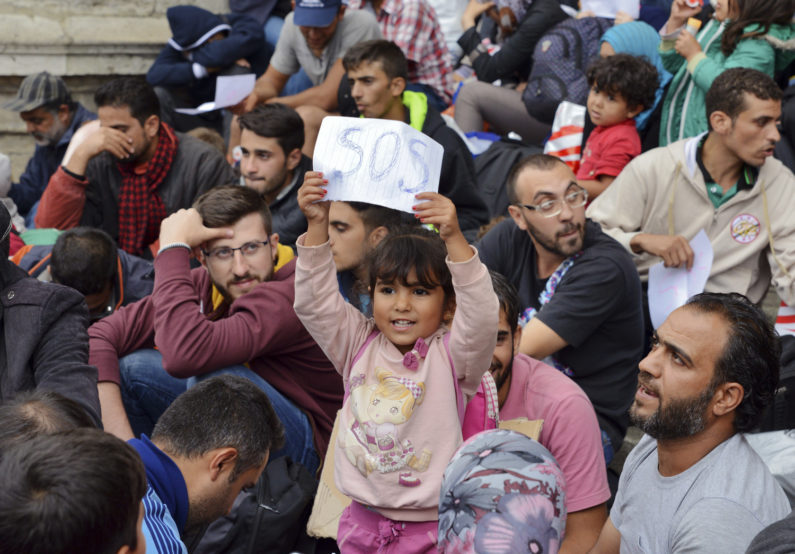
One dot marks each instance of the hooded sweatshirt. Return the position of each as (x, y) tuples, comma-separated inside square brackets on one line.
[(663, 192), (191, 59)]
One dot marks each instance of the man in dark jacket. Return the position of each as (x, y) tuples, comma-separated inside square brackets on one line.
[(377, 72), (271, 138), (129, 173), (202, 47), (51, 116), (43, 344)]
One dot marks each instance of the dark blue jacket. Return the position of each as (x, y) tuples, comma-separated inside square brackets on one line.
[(43, 164), (191, 26)]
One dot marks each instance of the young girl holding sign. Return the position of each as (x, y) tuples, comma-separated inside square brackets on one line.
[(400, 422)]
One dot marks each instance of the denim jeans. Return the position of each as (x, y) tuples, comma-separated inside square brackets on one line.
[(272, 29), (147, 390), (298, 82)]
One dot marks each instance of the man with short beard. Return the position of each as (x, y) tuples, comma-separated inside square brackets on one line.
[(580, 297), (51, 116), (724, 182), (129, 172), (693, 483), (527, 388), (232, 315), (271, 138)]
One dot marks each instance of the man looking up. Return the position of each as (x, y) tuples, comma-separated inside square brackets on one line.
[(132, 171), (211, 443), (530, 389), (236, 309), (51, 116), (725, 182), (377, 73), (693, 483), (271, 137), (580, 298)]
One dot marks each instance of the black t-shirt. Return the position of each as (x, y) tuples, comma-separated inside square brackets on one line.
[(596, 309)]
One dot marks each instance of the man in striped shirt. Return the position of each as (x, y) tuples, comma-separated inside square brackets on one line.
[(195, 472)]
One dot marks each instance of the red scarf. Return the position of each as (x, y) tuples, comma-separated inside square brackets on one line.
[(140, 207)]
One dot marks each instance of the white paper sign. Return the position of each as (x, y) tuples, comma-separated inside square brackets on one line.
[(229, 90), (670, 287), (377, 161), (609, 8)]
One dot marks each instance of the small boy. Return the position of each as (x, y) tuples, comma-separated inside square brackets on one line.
[(622, 86)]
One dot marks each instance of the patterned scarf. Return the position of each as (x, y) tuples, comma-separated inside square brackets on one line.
[(140, 207)]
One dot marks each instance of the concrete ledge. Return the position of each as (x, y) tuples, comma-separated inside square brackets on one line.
[(94, 30), (86, 42), (139, 8)]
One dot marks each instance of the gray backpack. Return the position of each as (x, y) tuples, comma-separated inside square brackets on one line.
[(560, 60)]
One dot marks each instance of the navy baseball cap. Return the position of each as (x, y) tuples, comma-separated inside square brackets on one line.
[(315, 13)]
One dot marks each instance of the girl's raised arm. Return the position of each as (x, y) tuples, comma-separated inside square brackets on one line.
[(440, 211), (310, 200)]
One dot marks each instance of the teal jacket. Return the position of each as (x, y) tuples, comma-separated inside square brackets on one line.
[(684, 113)]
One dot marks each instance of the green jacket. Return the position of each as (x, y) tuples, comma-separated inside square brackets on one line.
[(684, 113)]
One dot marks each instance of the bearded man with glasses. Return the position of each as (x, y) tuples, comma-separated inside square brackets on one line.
[(232, 315), (579, 291)]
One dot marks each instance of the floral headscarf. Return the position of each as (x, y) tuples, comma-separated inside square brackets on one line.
[(502, 492)]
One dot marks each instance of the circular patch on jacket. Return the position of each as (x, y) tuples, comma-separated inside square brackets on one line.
[(745, 228)]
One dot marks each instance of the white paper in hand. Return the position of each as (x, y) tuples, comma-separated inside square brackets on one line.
[(229, 90), (670, 287), (377, 161)]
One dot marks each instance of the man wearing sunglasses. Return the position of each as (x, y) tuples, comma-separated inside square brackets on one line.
[(234, 315), (579, 292)]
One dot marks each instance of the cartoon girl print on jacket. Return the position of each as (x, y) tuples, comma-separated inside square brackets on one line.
[(372, 443)]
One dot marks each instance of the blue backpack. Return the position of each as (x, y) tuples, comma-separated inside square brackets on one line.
[(560, 60)]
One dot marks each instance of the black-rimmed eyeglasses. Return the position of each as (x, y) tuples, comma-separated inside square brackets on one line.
[(224, 253)]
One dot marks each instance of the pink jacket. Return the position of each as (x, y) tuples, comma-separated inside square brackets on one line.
[(394, 462)]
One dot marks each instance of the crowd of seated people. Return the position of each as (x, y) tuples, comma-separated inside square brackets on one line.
[(205, 334)]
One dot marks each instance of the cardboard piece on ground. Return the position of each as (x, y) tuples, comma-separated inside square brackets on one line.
[(376, 161), (528, 427), (329, 501)]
